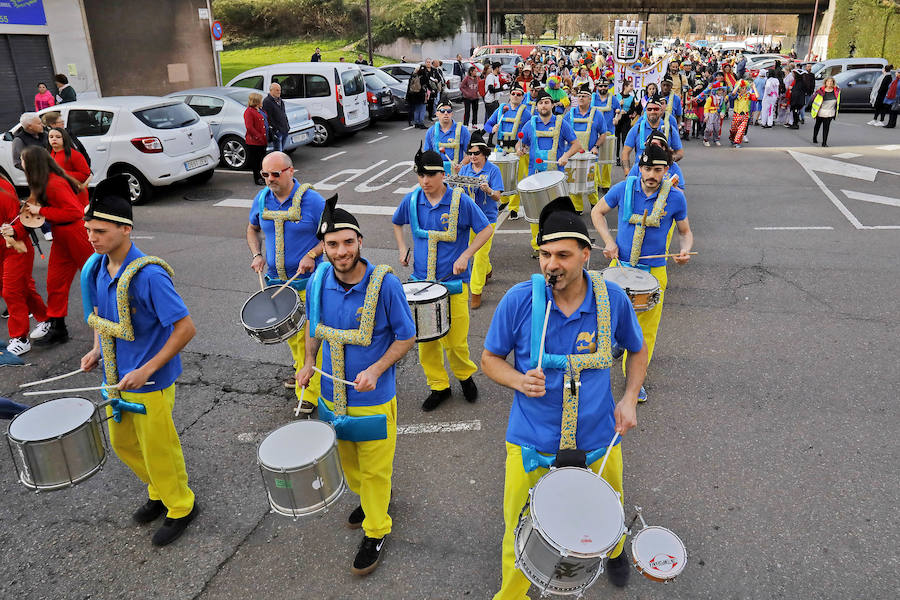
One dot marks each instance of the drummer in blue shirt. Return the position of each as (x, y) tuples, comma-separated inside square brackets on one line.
[(361, 313), (549, 140), (658, 139), (507, 121), (486, 197), (649, 122), (550, 415), (590, 128), (441, 219), (448, 138), (608, 105), (288, 214)]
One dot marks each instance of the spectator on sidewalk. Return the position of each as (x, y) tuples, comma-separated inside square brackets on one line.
[(892, 100), (416, 96), (256, 124), (316, 56), (64, 91), (43, 98), (31, 134), (469, 89), (279, 126), (877, 97)]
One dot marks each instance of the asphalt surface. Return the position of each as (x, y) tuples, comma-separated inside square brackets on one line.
[(768, 444)]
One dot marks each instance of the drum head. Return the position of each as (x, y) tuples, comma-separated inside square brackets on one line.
[(542, 181), (262, 311), (432, 293), (51, 419), (577, 510), (630, 278), (296, 444), (659, 552)]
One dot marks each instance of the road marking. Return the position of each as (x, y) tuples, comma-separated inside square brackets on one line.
[(889, 148), (378, 139), (408, 128), (351, 174), (336, 154), (847, 155), (142, 237), (809, 163), (811, 228), (872, 198), (509, 231), (235, 203), (359, 209), (231, 171), (444, 427), (405, 171)]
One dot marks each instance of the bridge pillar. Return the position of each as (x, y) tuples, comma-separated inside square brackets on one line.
[(820, 36)]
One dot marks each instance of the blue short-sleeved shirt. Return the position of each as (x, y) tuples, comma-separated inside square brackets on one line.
[(536, 422), (654, 237), (494, 180), (596, 125), (674, 169), (676, 105), (299, 237), (341, 309), (637, 135), (611, 100), (435, 136), (155, 308), (437, 218), (544, 144), (505, 115)]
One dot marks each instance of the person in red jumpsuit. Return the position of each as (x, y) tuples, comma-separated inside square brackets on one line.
[(16, 283), (54, 194), (71, 160)]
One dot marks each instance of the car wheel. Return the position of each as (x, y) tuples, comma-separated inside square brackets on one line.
[(324, 133), (234, 153), (140, 188)]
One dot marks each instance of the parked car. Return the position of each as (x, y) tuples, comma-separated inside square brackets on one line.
[(397, 87), (334, 93), (523, 50), (507, 62), (223, 109), (752, 59), (453, 81), (378, 94), (402, 71), (155, 141), (856, 86), (833, 66)]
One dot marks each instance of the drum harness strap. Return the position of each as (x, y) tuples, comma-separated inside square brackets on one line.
[(434, 236), (452, 144), (510, 136), (626, 212), (108, 330), (354, 429), (573, 364), (608, 149), (583, 136), (550, 133), (670, 104), (279, 217)]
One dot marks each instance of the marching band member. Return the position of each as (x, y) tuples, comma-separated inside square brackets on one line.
[(658, 139), (673, 104), (549, 140), (56, 196), (448, 138), (507, 121), (440, 219), (486, 197), (589, 126), (608, 105), (650, 121), (650, 207), (550, 414), (288, 213), (141, 325), (361, 313)]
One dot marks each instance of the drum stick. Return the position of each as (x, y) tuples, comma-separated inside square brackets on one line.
[(332, 377), (666, 255), (285, 284), (299, 402), (49, 379), (606, 455), (262, 284), (70, 390), (544, 335), (424, 288)]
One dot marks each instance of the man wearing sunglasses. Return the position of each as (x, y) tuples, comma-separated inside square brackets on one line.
[(651, 121), (609, 106), (288, 214), (507, 121), (448, 138), (589, 127)]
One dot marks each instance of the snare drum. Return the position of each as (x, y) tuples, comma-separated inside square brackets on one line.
[(430, 309), (508, 163), (273, 320), (572, 520), (57, 444), (642, 287), (301, 468), (538, 190), (607, 153), (658, 553), (580, 172)]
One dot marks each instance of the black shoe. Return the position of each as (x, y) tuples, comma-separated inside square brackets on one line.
[(435, 398), (5, 313), (354, 521), (172, 529), (618, 570), (58, 333), (824, 144), (470, 390), (367, 556), (815, 141), (149, 512)]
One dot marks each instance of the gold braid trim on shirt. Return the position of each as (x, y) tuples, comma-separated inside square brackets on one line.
[(601, 359), (435, 236), (108, 330), (653, 219), (554, 133), (280, 216), (362, 336), (453, 145)]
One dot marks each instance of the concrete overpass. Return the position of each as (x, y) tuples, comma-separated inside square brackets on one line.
[(646, 7)]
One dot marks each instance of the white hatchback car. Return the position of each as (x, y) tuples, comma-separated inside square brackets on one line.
[(155, 141)]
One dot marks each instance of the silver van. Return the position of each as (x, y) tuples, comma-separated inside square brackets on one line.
[(833, 66)]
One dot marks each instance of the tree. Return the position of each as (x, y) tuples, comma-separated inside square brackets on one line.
[(515, 24), (550, 23), (534, 27)]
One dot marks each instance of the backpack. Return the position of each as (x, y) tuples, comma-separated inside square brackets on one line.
[(415, 84)]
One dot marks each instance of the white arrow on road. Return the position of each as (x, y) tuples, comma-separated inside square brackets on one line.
[(872, 198)]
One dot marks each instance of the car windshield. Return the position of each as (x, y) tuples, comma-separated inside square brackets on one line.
[(386, 78), (170, 116)]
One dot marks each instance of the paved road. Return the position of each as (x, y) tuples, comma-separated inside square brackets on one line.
[(768, 444)]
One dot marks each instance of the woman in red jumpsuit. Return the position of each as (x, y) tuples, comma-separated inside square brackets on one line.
[(54, 194), (71, 160)]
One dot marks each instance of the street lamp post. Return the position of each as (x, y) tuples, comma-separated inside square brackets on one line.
[(812, 30), (369, 32)]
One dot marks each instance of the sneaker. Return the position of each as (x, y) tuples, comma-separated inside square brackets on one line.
[(48, 236), (172, 529), (306, 407), (435, 398), (58, 333), (469, 389), (879, 124), (40, 331), (746, 140), (718, 143), (618, 570), (354, 521), (149, 512), (368, 556), (872, 122), (737, 145), (18, 346), (5, 313), (514, 215), (705, 143), (642, 395), (502, 207)]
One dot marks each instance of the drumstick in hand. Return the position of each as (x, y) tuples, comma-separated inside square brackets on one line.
[(49, 379), (84, 389), (666, 255), (285, 284), (332, 377), (606, 455), (262, 284)]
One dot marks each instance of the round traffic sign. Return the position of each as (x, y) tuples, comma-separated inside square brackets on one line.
[(217, 30)]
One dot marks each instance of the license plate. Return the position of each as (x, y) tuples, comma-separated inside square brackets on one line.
[(195, 164), (387, 100), (299, 138)]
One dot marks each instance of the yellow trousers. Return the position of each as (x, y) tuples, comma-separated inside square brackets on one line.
[(368, 467), (149, 446), (649, 319), (481, 263), (511, 196), (534, 232), (297, 344), (606, 176), (456, 343), (515, 493)]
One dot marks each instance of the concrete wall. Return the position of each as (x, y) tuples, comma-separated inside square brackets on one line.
[(820, 39), (70, 46), (468, 37)]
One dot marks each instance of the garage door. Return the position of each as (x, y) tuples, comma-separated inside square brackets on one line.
[(24, 62)]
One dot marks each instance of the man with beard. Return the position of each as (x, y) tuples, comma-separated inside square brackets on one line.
[(673, 103), (651, 121), (649, 207), (361, 313), (507, 121), (551, 416), (448, 138)]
